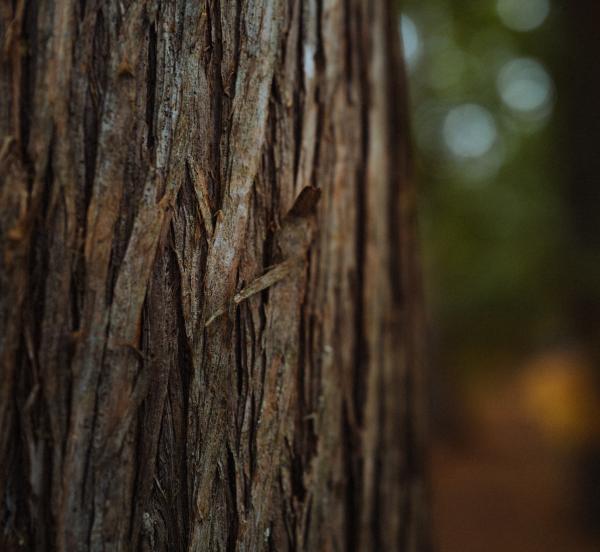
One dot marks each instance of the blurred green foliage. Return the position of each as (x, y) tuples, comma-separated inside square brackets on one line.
[(492, 218)]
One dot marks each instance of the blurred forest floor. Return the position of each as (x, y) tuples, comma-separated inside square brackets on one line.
[(506, 485)]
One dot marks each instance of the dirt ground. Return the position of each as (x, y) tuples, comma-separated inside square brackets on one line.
[(505, 487)]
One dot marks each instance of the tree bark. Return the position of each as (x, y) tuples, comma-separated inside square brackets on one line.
[(209, 315)]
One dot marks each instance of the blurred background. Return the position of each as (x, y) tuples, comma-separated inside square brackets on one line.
[(505, 116)]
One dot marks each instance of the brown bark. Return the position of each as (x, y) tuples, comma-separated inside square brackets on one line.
[(208, 319)]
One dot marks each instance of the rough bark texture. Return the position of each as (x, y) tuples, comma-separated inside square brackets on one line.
[(157, 158)]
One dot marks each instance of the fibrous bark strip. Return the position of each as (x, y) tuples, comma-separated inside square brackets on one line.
[(197, 352)]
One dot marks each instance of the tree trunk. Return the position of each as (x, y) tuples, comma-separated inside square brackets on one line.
[(209, 310)]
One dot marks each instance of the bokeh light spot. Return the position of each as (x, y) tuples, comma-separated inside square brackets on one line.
[(523, 15), (411, 43), (469, 131), (525, 86)]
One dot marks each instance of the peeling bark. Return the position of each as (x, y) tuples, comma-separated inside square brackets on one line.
[(209, 312)]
